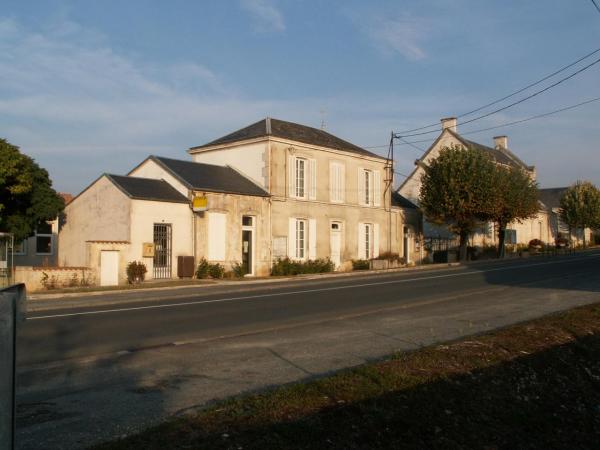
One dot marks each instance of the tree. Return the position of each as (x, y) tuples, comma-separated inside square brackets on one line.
[(580, 207), (515, 198), (26, 194), (456, 190)]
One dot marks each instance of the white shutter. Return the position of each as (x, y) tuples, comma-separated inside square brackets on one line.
[(375, 240), (312, 238), (313, 179), (332, 182), (361, 241), (361, 186), (217, 229), (376, 188), (291, 177), (292, 238), (342, 183)]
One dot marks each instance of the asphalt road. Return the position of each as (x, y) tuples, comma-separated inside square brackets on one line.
[(185, 317), (127, 361)]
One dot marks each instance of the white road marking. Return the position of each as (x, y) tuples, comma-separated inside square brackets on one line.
[(308, 291)]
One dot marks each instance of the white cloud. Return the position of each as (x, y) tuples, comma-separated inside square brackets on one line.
[(266, 16), (403, 34)]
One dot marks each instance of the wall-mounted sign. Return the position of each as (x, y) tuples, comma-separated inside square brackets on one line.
[(148, 250), (199, 203)]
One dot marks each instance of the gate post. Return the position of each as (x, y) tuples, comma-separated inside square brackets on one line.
[(12, 311)]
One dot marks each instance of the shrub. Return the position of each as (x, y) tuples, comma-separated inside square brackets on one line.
[(286, 266), (561, 241), (202, 269), (216, 270), (536, 243), (390, 256), (238, 269), (136, 272), (361, 264), (74, 280)]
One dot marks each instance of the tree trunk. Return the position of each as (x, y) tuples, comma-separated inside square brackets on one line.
[(462, 252), (583, 232), (501, 241)]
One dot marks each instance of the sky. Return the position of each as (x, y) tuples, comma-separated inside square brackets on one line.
[(89, 87)]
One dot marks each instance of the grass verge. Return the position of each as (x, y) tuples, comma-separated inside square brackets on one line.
[(532, 385)]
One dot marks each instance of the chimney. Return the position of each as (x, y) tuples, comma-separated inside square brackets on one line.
[(450, 123), (501, 142)]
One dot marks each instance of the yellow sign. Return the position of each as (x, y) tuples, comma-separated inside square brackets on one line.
[(148, 250), (200, 203)]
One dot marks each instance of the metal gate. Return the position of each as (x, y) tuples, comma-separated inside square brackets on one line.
[(162, 250)]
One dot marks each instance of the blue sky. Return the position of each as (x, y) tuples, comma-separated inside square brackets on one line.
[(88, 87)]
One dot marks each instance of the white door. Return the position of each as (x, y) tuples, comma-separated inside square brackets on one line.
[(109, 268), (336, 244)]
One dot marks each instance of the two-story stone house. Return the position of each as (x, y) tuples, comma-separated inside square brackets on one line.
[(329, 198), (272, 190), (537, 227)]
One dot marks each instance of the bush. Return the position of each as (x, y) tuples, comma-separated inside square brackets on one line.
[(389, 256), (136, 272), (202, 269), (286, 266), (536, 243), (238, 269), (361, 264), (216, 270)]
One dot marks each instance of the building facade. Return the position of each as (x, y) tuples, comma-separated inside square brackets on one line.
[(522, 232)]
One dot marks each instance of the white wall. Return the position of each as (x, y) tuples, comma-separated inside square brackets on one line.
[(144, 214), (150, 169), (100, 213), (250, 159)]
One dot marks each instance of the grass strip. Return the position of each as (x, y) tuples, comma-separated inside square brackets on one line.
[(532, 385)]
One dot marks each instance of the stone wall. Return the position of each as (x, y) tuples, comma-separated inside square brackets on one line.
[(49, 278)]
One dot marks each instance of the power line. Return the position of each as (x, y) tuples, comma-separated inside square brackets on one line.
[(562, 80), (516, 122), (562, 69), (596, 5)]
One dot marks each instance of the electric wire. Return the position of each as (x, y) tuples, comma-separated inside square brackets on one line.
[(562, 69)]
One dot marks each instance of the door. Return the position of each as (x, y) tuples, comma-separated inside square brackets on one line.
[(109, 268), (248, 244), (336, 244), (162, 250), (407, 244)]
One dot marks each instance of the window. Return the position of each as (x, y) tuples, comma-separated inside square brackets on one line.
[(336, 182), (300, 178), (247, 221), (43, 239), (369, 187), (300, 238), (368, 243)]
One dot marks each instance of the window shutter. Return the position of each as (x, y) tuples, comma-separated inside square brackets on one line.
[(292, 238), (375, 240), (361, 186), (291, 177), (313, 179), (376, 188), (361, 241), (332, 182), (342, 182), (312, 238)]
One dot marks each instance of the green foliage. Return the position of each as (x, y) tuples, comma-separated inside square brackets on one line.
[(216, 270), (202, 269), (361, 264), (238, 269), (535, 243), (580, 206), (390, 256), (514, 198), (286, 266), (136, 272), (456, 190), (26, 194)]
